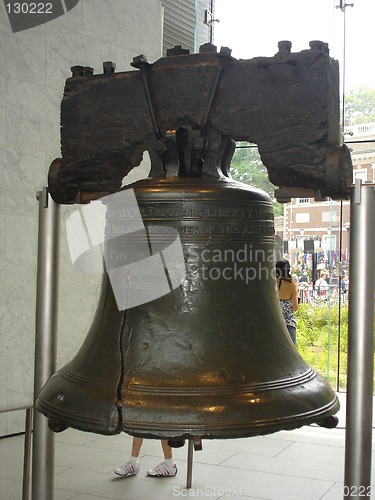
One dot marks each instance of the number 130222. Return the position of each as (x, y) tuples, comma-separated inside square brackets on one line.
[(29, 8)]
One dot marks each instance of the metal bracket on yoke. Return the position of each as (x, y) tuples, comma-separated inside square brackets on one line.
[(284, 194)]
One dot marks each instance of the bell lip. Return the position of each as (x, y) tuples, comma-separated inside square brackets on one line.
[(236, 430), (106, 422)]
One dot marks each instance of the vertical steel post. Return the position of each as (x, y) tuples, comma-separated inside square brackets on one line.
[(357, 481), (189, 470), (26, 454), (45, 341)]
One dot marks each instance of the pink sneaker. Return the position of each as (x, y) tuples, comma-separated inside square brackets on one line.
[(129, 469), (162, 470)]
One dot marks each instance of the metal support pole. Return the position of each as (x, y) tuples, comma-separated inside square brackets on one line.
[(26, 454), (189, 474), (360, 343), (45, 341)]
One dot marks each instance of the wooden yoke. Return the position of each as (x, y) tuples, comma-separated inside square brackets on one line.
[(287, 104)]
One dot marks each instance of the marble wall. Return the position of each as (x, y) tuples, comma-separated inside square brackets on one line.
[(34, 65)]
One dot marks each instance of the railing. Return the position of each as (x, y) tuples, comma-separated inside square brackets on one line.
[(362, 129), (309, 294), (27, 445)]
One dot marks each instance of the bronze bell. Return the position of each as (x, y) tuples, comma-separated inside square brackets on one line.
[(212, 358), (210, 355)]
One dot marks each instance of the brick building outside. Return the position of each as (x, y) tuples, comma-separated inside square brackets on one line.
[(319, 230)]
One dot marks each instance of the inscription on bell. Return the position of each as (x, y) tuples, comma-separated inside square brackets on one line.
[(220, 229), (208, 212)]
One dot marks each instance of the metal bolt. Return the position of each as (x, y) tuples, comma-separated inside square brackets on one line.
[(284, 46), (225, 51), (139, 61), (177, 50), (207, 47), (316, 45), (88, 71), (109, 67), (77, 71)]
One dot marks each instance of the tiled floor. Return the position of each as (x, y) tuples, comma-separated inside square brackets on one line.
[(305, 464)]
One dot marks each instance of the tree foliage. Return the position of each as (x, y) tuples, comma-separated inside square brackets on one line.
[(322, 339), (359, 106), (247, 167)]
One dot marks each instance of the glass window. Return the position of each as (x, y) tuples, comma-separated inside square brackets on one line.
[(360, 173), (328, 216), (329, 242), (302, 201), (303, 217)]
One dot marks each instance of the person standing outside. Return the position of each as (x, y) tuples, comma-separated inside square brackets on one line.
[(288, 296), (321, 286)]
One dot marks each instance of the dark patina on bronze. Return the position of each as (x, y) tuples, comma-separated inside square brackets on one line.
[(211, 359)]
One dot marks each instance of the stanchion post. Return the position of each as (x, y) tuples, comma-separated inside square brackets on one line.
[(189, 468), (45, 341), (27, 454), (358, 444)]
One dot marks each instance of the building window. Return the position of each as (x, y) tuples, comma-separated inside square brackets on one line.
[(361, 173), (302, 201), (326, 216), (329, 242), (303, 217)]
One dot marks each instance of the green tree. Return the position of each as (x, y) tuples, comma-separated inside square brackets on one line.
[(359, 106), (246, 167)]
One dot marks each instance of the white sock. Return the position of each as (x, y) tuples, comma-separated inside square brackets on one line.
[(134, 460), (169, 462)]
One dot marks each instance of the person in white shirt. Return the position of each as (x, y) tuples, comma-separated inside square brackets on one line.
[(321, 285)]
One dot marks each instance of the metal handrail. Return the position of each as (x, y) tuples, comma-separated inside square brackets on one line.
[(27, 445)]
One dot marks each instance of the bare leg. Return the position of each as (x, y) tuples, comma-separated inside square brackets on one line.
[(167, 450), (136, 446)]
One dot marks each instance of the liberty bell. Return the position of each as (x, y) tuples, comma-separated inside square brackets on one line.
[(188, 338)]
